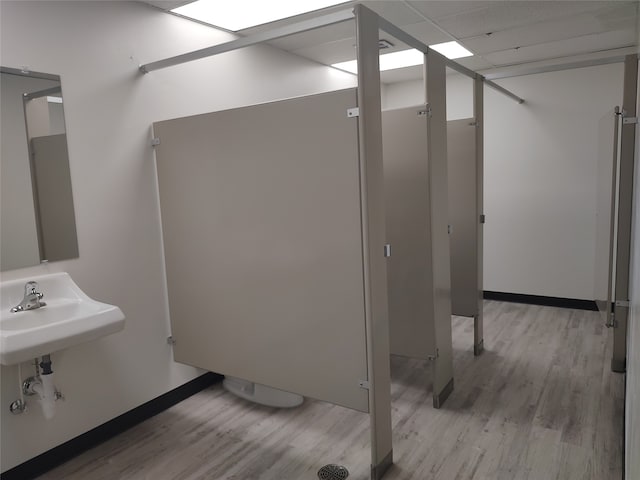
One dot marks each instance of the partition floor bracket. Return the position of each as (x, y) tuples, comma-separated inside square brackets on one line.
[(378, 471), (478, 348), (440, 397), (478, 341)]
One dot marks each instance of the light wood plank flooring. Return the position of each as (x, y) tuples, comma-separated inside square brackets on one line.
[(539, 404)]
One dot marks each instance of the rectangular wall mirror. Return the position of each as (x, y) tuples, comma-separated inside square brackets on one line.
[(37, 218)]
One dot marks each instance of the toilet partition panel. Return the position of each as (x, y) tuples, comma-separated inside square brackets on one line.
[(408, 208), (262, 229), (461, 153)]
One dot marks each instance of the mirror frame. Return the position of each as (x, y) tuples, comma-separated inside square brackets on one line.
[(26, 97)]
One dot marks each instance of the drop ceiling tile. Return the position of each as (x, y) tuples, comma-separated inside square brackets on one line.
[(436, 10), (427, 33), (329, 53), (332, 33), (474, 63), (563, 48), (394, 11), (616, 17), (512, 14), (542, 32)]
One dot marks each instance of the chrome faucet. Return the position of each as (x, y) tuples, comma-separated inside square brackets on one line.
[(31, 298)]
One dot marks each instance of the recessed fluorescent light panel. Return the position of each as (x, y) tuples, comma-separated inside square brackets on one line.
[(237, 15), (451, 50), (409, 58), (388, 61)]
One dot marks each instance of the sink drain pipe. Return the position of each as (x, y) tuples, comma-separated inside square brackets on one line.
[(40, 384), (44, 387)]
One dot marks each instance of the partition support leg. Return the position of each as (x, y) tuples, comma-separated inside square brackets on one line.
[(440, 396), (435, 85), (478, 340), (478, 113), (374, 240)]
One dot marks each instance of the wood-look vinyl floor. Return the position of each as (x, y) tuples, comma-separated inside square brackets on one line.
[(539, 404)]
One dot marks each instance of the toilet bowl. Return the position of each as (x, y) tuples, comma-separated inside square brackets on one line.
[(255, 392)]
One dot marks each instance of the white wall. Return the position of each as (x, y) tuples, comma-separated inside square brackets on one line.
[(96, 47), (632, 410), (540, 175), (408, 94)]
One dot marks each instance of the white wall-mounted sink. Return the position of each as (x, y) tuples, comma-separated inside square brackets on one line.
[(69, 318)]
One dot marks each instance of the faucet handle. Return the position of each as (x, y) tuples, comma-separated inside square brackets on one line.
[(31, 288)]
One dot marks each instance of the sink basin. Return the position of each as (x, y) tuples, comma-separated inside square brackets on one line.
[(69, 318)]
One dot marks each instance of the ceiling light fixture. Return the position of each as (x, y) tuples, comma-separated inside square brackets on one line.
[(388, 61), (451, 50), (235, 15), (408, 58)]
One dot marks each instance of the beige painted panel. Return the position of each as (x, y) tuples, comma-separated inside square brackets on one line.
[(263, 244), (407, 203), (461, 155), (54, 198)]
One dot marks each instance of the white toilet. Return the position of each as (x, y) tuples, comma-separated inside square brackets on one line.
[(254, 392)]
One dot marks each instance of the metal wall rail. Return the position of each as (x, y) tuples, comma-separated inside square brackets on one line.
[(312, 24)]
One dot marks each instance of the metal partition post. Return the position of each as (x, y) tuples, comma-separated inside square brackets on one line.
[(478, 113), (435, 80), (625, 205), (374, 239)]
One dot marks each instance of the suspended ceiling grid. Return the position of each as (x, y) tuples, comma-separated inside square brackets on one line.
[(501, 34)]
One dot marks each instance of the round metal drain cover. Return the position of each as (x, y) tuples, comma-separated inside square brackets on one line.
[(333, 472)]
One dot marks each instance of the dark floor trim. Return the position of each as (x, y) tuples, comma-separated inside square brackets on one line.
[(74, 447), (542, 300)]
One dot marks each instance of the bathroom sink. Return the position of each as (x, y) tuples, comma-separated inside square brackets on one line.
[(69, 318)]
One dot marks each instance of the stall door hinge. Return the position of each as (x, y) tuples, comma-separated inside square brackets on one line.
[(353, 112), (483, 218), (155, 141), (433, 357), (622, 303), (387, 250), (171, 341), (629, 120), (363, 384)]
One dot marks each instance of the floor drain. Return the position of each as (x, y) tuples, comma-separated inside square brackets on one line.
[(333, 472)]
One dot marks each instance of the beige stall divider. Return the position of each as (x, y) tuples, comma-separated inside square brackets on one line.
[(262, 234), (408, 207), (461, 152)]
